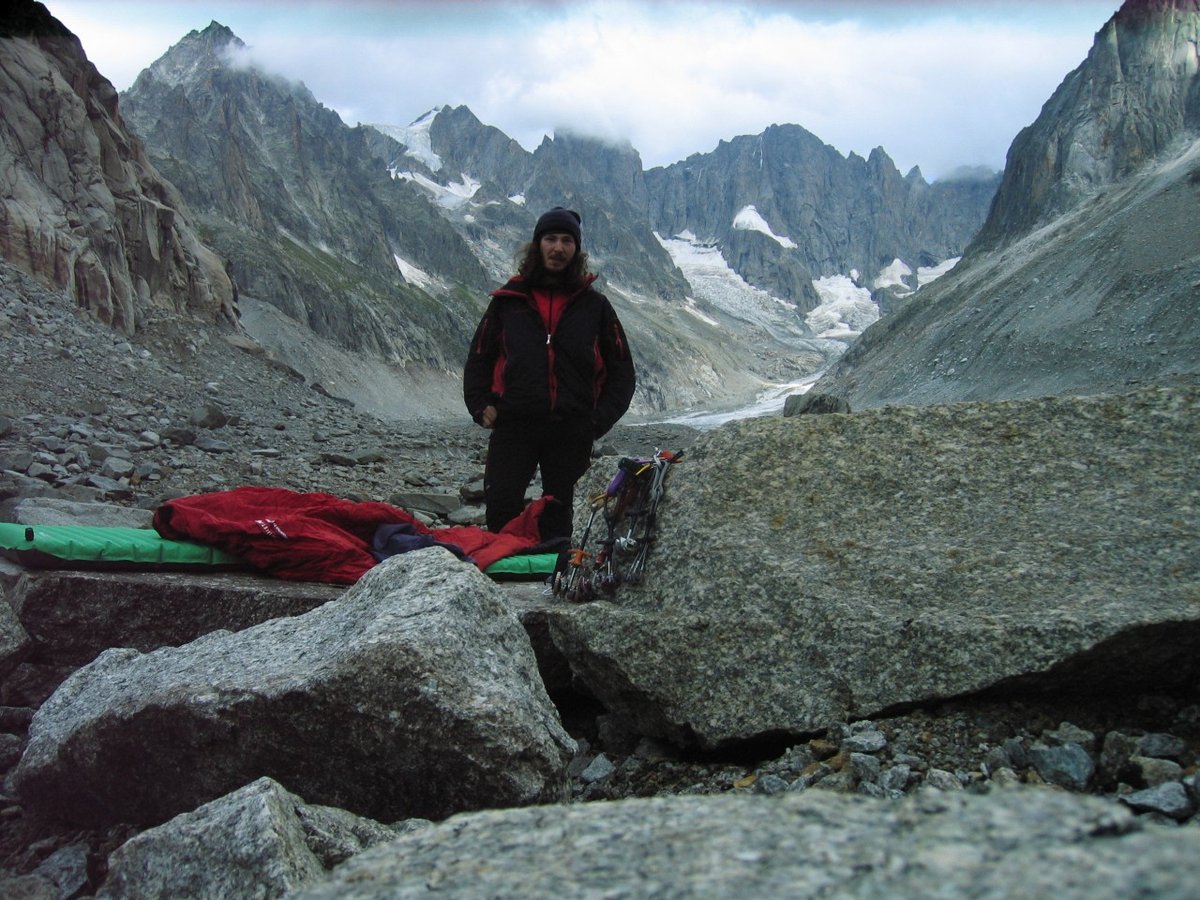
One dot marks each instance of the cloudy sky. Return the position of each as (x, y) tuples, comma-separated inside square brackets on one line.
[(937, 84)]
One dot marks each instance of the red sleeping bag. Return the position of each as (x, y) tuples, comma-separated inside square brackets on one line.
[(319, 537)]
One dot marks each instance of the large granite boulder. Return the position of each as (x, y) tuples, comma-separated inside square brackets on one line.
[(1015, 843), (55, 620), (58, 511), (415, 694), (820, 569)]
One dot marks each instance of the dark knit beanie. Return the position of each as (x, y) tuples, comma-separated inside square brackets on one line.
[(559, 220)]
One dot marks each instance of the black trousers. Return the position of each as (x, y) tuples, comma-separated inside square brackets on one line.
[(563, 451)]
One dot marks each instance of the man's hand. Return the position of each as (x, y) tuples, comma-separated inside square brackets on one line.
[(487, 418)]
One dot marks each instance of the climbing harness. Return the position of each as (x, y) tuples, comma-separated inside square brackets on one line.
[(629, 506)]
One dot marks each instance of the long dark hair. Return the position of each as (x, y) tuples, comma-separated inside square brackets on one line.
[(529, 265)]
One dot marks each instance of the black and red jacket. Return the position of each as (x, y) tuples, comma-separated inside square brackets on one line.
[(542, 356)]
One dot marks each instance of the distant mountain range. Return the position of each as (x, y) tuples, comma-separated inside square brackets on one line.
[(362, 257), (384, 241)]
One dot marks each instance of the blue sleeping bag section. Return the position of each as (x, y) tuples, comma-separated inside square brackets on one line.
[(96, 547)]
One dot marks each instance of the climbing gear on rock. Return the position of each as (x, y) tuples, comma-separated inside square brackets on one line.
[(629, 506)]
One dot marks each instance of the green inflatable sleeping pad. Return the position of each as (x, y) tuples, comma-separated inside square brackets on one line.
[(523, 566), (96, 547)]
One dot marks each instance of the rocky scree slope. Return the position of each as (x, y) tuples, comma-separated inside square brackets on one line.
[(90, 414)]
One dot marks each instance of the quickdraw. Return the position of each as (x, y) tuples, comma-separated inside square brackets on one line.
[(629, 506)]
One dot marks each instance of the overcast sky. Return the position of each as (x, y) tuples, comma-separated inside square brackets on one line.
[(936, 84)]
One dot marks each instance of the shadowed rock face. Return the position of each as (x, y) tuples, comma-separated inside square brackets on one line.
[(83, 208), (824, 568)]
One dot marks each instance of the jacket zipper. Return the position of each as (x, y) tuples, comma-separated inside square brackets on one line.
[(551, 377)]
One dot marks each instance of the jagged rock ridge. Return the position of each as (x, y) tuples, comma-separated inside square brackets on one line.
[(809, 194), (815, 198)]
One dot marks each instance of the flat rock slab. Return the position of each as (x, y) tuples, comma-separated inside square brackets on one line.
[(72, 616), (1015, 843), (414, 694), (820, 569)]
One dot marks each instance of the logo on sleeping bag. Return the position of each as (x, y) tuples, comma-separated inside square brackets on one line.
[(271, 528)]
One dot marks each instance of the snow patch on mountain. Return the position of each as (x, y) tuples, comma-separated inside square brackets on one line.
[(720, 288), (448, 196), (415, 275), (926, 274), (749, 219), (415, 138), (893, 275), (846, 308)]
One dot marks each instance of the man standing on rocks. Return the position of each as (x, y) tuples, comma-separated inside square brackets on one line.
[(548, 372)]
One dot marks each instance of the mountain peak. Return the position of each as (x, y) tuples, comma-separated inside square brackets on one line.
[(216, 32), (197, 50), (879, 159), (98, 221)]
